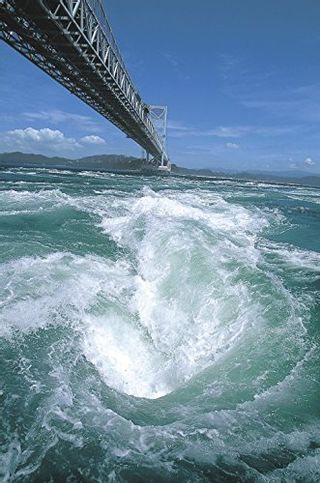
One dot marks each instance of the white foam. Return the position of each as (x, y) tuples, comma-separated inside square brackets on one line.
[(292, 256), (173, 308), (187, 314)]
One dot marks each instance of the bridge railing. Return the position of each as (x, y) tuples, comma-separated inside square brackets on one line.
[(97, 8), (99, 11)]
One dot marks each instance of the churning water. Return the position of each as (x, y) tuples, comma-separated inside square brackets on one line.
[(158, 329)]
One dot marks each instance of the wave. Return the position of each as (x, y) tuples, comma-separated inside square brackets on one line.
[(180, 301), (181, 345)]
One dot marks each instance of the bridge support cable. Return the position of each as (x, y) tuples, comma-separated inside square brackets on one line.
[(71, 40)]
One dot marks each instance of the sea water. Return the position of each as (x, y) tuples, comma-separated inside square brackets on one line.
[(158, 329)]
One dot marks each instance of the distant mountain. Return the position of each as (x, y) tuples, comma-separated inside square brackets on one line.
[(116, 162), (111, 161), (20, 159), (281, 174), (297, 177), (102, 162), (305, 179)]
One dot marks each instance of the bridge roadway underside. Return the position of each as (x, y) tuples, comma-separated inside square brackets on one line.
[(44, 33)]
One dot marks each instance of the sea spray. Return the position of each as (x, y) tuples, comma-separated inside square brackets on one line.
[(157, 329)]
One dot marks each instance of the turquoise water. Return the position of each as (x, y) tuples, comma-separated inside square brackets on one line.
[(158, 329)]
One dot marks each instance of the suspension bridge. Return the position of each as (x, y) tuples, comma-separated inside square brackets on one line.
[(71, 40)]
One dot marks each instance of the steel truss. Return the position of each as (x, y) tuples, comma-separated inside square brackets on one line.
[(71, 41)]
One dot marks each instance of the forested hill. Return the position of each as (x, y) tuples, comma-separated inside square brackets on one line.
[(100, 162), (118, 162)]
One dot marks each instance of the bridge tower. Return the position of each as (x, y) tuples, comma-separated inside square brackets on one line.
[(158, 116)]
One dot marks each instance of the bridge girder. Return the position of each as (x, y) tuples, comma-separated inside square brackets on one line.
[(72, 42)]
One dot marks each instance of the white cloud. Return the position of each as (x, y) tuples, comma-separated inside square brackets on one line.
[(178, 126), (228, 131), (179, 130), (172, 60), (293, 165), (228, 65), (30, 138), (297, 103), (57, 116), (92, 140), (178, 65), (309, 162), (232, 146), (46, 140)]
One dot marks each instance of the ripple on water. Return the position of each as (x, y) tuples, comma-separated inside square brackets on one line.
[(188, 353)]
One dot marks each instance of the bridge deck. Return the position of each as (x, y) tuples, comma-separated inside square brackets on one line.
[(66, 40)]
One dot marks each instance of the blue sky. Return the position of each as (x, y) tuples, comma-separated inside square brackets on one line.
[(241, 81)]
